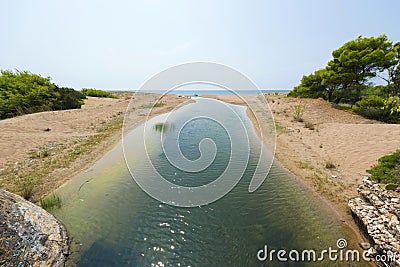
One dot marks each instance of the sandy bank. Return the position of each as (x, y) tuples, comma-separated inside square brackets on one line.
[(349, 143), (47, 149)]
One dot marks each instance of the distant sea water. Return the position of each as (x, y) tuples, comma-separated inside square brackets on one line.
[(219, 92)]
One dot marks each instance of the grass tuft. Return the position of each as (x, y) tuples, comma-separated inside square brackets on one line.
[(298, 112), (40, 154), (50, 202)]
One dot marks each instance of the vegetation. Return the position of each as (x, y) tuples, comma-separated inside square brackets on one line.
[(97, 93), (155, 105), (387, 170), (355, 76), (22, 92), (50, 202), (305, 165), (298, 113), (28, 178), (40, 154), (161, 127), (25, 185)]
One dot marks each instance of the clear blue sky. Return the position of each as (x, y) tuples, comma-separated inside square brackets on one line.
[(120, 44)]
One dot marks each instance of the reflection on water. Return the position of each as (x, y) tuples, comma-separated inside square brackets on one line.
[(117, 224)]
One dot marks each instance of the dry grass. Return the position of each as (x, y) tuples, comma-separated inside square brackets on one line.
[(26, 178)]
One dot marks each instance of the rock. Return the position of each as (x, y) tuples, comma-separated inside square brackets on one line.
[(371, 252), (365, 245), (377, 213), (30, 234)]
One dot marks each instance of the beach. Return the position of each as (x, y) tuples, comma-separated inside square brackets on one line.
[(349, 143)]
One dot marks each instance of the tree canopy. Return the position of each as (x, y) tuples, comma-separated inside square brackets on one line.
[(353, 75)]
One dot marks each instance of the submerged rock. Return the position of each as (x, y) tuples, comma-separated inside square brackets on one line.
[(29, 235)]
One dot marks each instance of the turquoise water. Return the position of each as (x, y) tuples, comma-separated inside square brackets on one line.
[(114, 223)]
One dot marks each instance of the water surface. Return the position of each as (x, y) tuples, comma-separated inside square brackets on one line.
[(116, 224)]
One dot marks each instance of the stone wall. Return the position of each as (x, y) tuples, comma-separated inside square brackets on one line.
[(377, 213), (29, 235)]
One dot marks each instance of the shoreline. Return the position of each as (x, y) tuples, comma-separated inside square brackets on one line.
[(98, 152), (74, 141), (336, 208), (284, 155)]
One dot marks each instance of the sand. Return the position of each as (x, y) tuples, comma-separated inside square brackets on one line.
[(350, 142), (56, 131)]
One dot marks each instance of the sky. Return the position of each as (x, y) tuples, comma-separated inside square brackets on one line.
[(120, 44)]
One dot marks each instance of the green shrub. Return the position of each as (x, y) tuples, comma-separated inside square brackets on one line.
[(371, 106), (379, 108), (392, 106), (387, 170), (70, 98), (97, 93), (22, 92), (371, 101)]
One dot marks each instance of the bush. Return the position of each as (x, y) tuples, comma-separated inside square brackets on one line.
[(387, 170), (22, 92), (97, 93), (378, 108), (70, 98), (372, 107), (392, 106), (371, 101)]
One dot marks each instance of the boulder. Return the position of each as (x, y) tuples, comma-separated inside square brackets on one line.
[(29, 235)]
